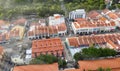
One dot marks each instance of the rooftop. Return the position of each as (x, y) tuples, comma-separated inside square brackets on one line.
[(95, 39), (46, 67), (91, 24), (39, 29), (113, 63), (112, 15), (1, 50), (93, 14), (105, 11), (20, 21), (47, 45), (2, 22)]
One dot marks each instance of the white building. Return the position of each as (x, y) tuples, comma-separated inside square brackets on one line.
[(28, 57), (79, 13), (39, 31), (56, 19), (82, 26)]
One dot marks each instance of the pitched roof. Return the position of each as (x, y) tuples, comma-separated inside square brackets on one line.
[(118, 13), (20, 21), (2, 22), (112, 15), (93, 14), (104, 63), (1, 50), (92, 24), (95, 39), (45, 67), (47, 45), (106, 11), (73, 41), (114, 64), (39, 29)]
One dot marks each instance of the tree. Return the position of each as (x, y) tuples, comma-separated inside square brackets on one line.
[(107, 69), (78, 56), (100, 69), (93, 52), (62, 63), (90, 52), (44, 59), (20, 1)]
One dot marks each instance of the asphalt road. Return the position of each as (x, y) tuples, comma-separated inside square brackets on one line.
[(68, 56)]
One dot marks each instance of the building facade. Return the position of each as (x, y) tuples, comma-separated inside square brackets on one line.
[(79, 13), (38, 31), (82, 26)]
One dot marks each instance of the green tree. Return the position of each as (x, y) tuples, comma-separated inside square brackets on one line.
[(93, 52), (46, 59), (62, 63), (78, 56), (100, 69), (107, 69)]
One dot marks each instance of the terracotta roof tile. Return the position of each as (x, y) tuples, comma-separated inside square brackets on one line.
[(47, 45), (45, 67), (1, 50), (73, 41), (2, 22), (93, 14), (94, 39), (105, 11), (20, 21), (104, 63), (92, 24), (112, 15), (39, 29)]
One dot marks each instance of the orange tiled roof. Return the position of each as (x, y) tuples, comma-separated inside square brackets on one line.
[(2, 22), (1, 50), (93, 14), (112, 15), (45, 67), (94, 39), (73, 41), (84, 24), (62, 27), (20, 21), (39, 29), (102, 18), (114, 64), (104, 63), (105, 11), (47, 45), (118, 14)]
